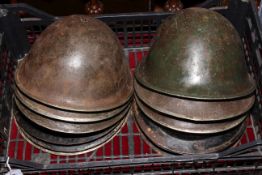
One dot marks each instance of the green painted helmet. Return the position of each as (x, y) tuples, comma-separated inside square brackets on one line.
[(198, 54)]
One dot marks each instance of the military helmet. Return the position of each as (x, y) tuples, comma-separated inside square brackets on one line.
[(198, 54), (77, 64)]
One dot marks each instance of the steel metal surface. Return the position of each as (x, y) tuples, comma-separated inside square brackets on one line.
[(52, 137), (177, 124), (184, 143), (66, 115), (198, 54), (69, 127), (77, 63), (194, 110), (72, 150)]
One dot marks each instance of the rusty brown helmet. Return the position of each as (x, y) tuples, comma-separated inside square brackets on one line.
[(77, 64), (69, 127), (175, 142), (198, 54), (65, 115), (66, 144), (187, 126), (55, 137), (194, 110)]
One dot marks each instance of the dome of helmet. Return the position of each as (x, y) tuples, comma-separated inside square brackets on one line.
[(77, 63), (198, 54)]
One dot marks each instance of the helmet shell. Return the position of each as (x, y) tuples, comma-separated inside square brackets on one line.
[(198, 54), (77, 64)]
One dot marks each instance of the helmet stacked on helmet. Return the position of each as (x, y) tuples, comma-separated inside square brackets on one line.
[(74, 87), (193, 90)]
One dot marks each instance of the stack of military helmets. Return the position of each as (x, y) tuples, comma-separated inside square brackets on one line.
[(74, 88), (193, 91)]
